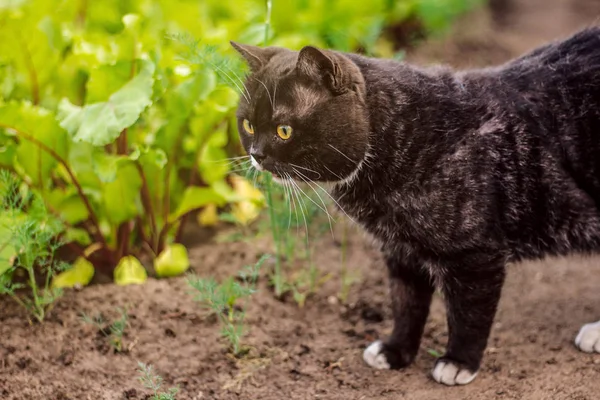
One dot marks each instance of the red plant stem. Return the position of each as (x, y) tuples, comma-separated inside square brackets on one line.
[(35, 87), (147, 203), (92, 215), (124, 229), (192, 180)]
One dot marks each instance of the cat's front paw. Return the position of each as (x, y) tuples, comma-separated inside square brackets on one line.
[(588, 339), (379, 355), (375, 356), (451, 373)]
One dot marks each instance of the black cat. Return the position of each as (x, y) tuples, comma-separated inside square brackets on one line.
[(454, 173)]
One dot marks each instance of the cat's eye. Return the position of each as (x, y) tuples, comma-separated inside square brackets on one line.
[(248, 127), (284, 131)]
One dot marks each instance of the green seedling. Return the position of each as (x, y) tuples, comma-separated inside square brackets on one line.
[(114, 332), (27, 248), (347, 277), (223, 299), (153, 381), (434, 353)]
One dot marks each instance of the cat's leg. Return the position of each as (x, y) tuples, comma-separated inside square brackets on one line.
[(411, 291), (472, 293), (588, 339)]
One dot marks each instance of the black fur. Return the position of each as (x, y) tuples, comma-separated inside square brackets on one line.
[(454, 173)]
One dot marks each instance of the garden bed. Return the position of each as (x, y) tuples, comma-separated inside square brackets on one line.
[(315, 352)]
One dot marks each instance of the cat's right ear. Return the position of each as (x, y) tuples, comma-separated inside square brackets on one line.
[(331, 68), (256, 57)]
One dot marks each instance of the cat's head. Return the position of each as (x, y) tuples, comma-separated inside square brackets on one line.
[(303, 114)]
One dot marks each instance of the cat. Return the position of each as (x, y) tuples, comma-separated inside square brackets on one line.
[(455, 173)]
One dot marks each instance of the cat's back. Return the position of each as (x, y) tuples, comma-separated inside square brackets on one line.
[(560, 73)]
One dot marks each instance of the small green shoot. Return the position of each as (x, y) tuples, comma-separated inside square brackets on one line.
[(27, 247), (153, 381), (434, 353), (223, 300), (114, 332), (348, 278)]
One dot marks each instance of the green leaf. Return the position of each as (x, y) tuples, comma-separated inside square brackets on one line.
[(107, 165), (182, 99), (106, 80), (81, 156), (80, 274), (38, 134), (101, 123), (130, 271), (77, 235), (7, 246), (7, 153), (120, 196), (172, 261), (224, 99), (195, 197), (211, 166), (68, 204)]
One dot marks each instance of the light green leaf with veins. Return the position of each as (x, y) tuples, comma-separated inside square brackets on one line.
[(101, 123)]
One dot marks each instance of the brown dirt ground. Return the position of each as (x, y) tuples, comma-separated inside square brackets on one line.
[(315, 352)]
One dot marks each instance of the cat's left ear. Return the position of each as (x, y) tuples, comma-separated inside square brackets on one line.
[(256, 57), (333, 69)]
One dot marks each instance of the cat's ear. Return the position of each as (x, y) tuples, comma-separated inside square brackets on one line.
[(256, 57), (332, 69)]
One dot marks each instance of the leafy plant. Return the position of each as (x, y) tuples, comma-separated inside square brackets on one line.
[(113, 331), (106, 123), (116, 114), (28, 243), (223, 300), (153, 381)]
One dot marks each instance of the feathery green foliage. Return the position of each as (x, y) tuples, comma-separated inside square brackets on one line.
[(223, 300)]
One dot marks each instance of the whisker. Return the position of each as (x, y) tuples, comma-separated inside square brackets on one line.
[(247, 97), (294, 203), (336, 175), (275, 93), (231, 159), (267, 90), (329, 217), (307, 196), (333, 147), (301, 203), (286, 183), (307, 169), (334, 200)]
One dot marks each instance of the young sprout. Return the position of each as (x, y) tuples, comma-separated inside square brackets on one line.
[(223, 300), (115, 331), (153, 381)]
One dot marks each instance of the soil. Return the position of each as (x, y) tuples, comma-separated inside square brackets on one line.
[(315, 352)]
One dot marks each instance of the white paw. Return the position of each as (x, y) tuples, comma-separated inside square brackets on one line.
[(588, 339), (450, 374), (374, 357)]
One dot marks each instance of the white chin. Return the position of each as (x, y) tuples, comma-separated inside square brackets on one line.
[(255, 164)]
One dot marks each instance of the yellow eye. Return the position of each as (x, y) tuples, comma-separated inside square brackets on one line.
[(248, 127), (284, 131)]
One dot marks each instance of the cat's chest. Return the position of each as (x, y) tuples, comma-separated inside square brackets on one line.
[(435, 218), (395, 220)]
